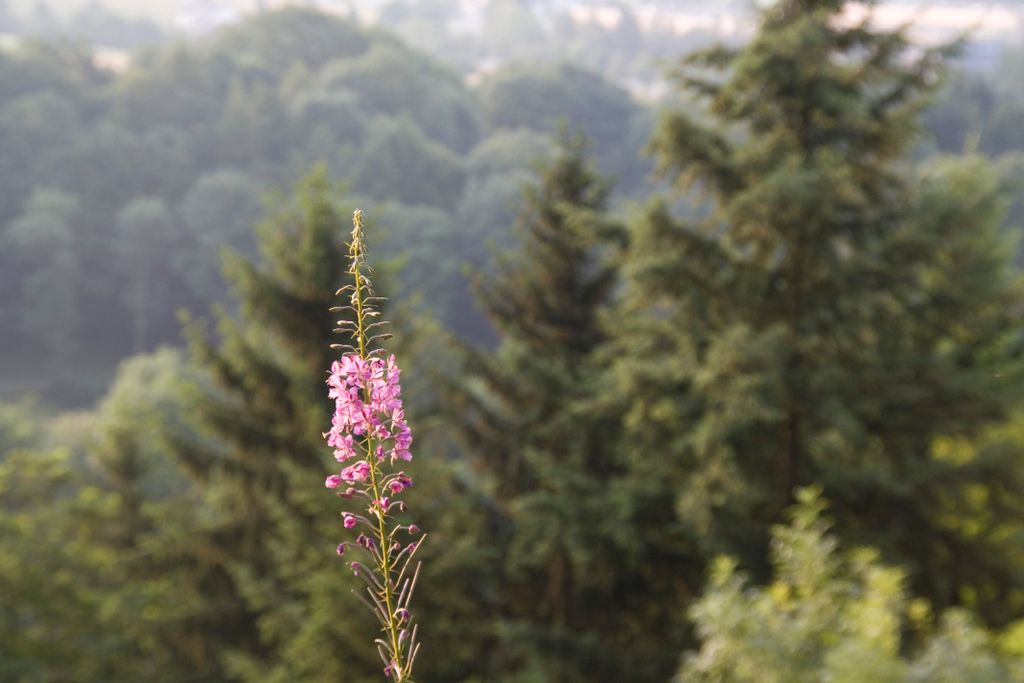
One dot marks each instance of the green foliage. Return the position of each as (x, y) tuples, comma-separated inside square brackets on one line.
[(392, 80), (399, 162), (267, 603), (829, 615), (44, 239), (539, 98), (981, 113), (218, 211), (272, 42), (509, 150), (204, 126), (86, 590), (20, 425), (49, 604), (521, 97), (813, 309), (146, 232), (556, 562), (430, 256), (831, 313), (497, 171)]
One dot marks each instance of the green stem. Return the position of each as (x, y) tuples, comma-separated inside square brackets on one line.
[(382, 536)]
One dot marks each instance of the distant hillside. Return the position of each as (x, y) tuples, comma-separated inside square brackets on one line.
[(119, 188)]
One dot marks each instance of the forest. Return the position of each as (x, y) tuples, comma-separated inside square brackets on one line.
[(726, 386)]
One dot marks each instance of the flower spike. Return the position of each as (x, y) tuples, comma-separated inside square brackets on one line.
[(370, 435)]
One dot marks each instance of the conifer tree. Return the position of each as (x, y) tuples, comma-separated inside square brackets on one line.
[(561, 579), (836, 616), (265, 571), (149, 510), (85, 594), (828, 315)]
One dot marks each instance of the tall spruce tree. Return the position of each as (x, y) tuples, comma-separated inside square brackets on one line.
[(85, 594), (267, 581), (563, 589), (829, 313)]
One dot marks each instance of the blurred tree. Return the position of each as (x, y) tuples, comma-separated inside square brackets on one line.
[(99, 25), (149, 514), (272, 42), (540, 98), (981, 111), (268, 597), (497, 171), (270, 95), (66, 68), (959, 119), (829, 316), (109, 166), (425, 242), (326, 126), (50, 270), (509, 150), (488, 203), (832, 616), (391, 79), (556, 555), (31, 126), (399, 162), (50, 600), (218, 211), (171, 87), (1011, 173), (20, 425), (85, 591), (1003, 134), (147, 236), (248, 124)]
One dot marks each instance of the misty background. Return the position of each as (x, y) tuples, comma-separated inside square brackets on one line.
[(176, 183)]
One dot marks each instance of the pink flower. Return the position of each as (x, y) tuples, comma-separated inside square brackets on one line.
[(357, 472), (381, 417), (369, 433), (399, 483), (344, 448)]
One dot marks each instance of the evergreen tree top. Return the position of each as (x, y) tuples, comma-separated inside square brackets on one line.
[(832, 310), (813, 87), (546, 294)]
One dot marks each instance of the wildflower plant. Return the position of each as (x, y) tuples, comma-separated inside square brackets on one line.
[(370, 436)]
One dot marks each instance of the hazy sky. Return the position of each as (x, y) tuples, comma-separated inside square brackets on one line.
[(935, 16)]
